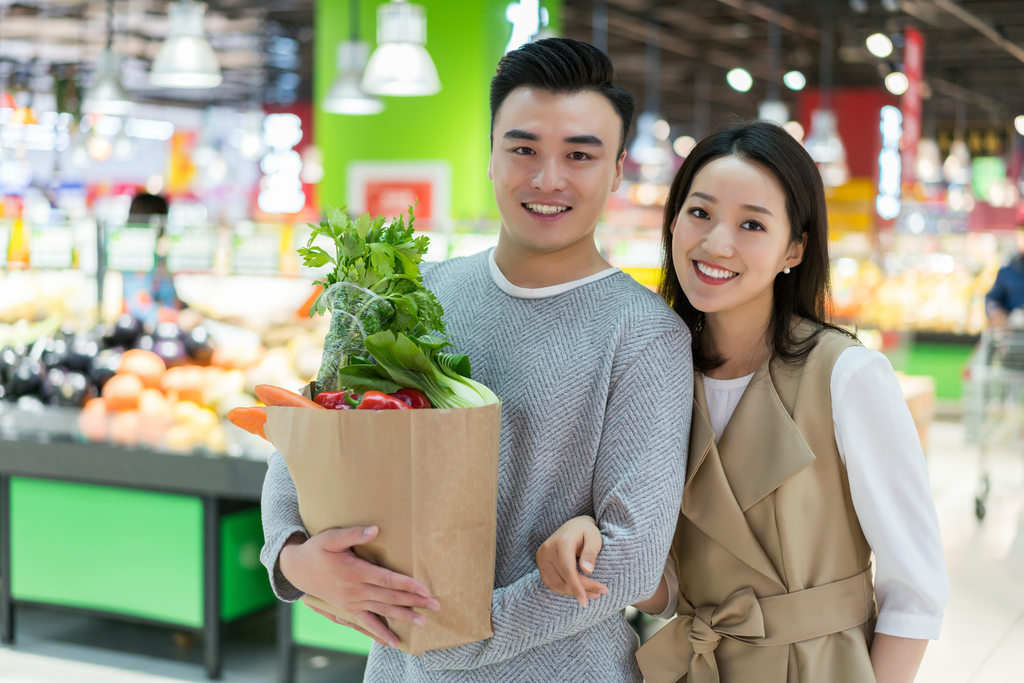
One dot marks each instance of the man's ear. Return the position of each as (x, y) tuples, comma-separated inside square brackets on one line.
[(490, 167), (617, 180)]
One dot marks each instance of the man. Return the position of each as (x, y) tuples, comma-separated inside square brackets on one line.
[(595, 376), (1007, 293)]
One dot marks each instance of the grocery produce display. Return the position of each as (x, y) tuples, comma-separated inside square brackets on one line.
[(166, 387)]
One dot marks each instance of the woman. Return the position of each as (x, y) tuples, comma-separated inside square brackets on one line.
[(803, 457)]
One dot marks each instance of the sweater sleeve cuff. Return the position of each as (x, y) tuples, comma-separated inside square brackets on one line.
[(915, 626), (283, 588)]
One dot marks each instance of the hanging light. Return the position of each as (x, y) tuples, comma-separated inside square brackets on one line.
[(107, 96), (775, 111), (794, 80), (645, 149), (879, 45), (186, 60), (1018, 123), (346, 97), (826, 148), (957, 166), (897, 83), (401, 66), (739, 79)]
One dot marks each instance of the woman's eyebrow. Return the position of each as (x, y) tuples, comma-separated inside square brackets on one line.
[(748, 207)]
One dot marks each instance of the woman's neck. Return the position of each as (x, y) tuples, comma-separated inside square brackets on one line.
[(740, 337)]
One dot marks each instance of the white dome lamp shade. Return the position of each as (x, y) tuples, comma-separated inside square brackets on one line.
[(106, 95), (346, 97), (186, 60), (401, 65), (825, 146)]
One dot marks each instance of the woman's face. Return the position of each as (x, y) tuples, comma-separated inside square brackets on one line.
[(732, 236)]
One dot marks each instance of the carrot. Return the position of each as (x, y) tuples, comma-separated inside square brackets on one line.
[(276, 396), (249, 419)]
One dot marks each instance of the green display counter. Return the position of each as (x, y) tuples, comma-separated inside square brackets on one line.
[(144, 536), (299, 626)]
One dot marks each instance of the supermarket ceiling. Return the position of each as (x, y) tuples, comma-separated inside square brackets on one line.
[(974, 51), (974, 54), (265, 48)]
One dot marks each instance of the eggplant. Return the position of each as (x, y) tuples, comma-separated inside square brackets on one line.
[(8, 362), (167, 330), (126, 332), (55, 354), (75, 390), (81, 353), (52, 381), (27, 378), (104, 366), (171, 350), (199, 344)]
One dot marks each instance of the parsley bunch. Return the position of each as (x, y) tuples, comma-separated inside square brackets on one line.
[(381, 260)]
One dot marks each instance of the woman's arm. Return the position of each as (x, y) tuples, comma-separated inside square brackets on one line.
[(895, 659)]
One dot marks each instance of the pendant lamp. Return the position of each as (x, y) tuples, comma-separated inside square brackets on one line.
[(107, 95), (186, 60), (346, 97), (401, 65)]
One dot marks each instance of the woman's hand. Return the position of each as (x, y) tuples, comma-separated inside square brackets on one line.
[(557, 557)]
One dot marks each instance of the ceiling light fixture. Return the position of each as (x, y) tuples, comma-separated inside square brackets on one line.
[(879, 45), (107, 95), (740, 79), (897, 83), (1018, 123), (186, 60), (794, 80), (401, 65), (346, 97)]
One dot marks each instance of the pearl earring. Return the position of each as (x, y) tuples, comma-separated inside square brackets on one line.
[(786, 271)]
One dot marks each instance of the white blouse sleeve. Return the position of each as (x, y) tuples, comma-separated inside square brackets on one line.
[(879, 445), (671, 576)]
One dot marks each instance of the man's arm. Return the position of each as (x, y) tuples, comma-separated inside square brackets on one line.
[(637, 488), (997, 304), (279, 508)]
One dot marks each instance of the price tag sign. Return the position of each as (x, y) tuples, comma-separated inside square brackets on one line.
[(51, 247), (191, 251), (131, 248), (257, 251)]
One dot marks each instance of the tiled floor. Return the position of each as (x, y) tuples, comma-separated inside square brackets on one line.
[(982, 638)]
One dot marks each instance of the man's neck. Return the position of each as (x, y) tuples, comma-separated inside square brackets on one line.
[(532, 269)]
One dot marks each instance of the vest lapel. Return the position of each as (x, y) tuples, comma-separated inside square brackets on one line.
[(762, 447), (708, 499)]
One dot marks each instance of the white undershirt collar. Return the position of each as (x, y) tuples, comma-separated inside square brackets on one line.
[(541, 292)]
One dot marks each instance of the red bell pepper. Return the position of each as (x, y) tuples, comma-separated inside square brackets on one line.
[(335, 400), (414, 398), (375, 400)]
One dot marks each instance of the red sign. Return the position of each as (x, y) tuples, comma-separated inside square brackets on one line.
[(392, 198), (910, 103)]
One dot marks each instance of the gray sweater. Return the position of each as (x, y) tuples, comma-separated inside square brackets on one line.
[(596, 386)]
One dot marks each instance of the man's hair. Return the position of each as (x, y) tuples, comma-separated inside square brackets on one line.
[(561, 65)]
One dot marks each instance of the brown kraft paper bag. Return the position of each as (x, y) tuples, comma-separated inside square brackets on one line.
[(428, 479)]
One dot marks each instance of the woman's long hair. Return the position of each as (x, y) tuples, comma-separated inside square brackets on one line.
[(806, 290)]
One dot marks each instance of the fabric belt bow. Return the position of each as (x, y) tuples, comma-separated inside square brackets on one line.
[(687, 644)]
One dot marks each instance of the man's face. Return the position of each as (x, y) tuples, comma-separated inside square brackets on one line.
[(554, 163)]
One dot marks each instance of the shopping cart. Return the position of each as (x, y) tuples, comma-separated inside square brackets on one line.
[(993, 401)]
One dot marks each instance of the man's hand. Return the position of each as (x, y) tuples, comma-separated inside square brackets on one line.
[(579, 538), (325, 566)]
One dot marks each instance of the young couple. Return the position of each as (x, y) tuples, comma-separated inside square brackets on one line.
[(803, 459)]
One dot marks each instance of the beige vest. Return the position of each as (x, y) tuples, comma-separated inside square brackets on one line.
[(774, 570)]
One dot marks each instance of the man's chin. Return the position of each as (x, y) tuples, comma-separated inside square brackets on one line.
[(547, 240)]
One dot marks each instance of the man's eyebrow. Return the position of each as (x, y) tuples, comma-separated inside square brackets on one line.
[(519, 134), (584, 140)]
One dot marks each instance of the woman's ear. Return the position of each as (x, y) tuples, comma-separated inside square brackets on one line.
[(796, 252)]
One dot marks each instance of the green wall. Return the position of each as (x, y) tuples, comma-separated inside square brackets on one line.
[(465, 38)]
